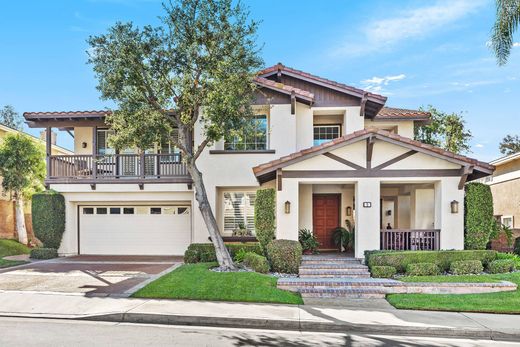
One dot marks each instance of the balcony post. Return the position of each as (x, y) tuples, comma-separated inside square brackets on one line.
[(94, 152), (142, 158), (48, 149)]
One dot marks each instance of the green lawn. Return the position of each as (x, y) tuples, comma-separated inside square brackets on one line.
[(197, 282), (11, 247), (504, 302)]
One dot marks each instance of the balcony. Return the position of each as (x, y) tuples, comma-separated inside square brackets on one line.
[(117, 168)]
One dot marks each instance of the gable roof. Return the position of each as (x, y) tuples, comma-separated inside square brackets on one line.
[(393, 113), (269, 167), (283, 88), (65, 115), (506, 159)]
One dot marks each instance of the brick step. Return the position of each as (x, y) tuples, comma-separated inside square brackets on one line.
[(337, 271), (343, 293), (331, 261), (338, 282), (334, 275), (333, 266), (328, 257)]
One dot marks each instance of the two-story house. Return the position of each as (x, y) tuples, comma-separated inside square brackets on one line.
[(332, 153)]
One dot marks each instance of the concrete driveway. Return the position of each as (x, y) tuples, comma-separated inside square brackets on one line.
[(118, 276)]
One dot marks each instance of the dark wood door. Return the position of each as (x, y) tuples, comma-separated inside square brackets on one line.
[(325, 218)]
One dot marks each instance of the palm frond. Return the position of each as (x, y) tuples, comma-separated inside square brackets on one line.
[(507, 22)]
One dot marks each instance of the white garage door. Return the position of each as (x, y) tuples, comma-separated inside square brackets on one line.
[(134, 230)]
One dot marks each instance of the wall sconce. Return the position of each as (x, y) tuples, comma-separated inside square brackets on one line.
[(349, 211), (83, 145), (287, 207), (454, 206), (389, 212)]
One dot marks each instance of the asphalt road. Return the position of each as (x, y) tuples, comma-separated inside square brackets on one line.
[(45, 332)]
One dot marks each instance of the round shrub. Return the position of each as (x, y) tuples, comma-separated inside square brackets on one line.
[(516, 246), (284, 255), (205, 252), (44, 253), (256, 262), (265, 216), (422, 269), (501, 266), (466, 267), (48, 218), (478, 215), (383, 271)]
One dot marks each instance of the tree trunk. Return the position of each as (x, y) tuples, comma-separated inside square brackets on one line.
[(223, 257), (20, 219)]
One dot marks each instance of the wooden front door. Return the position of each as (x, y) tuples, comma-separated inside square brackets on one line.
[(325, 218)]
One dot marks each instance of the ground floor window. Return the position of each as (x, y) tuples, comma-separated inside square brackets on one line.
[(239, 213)]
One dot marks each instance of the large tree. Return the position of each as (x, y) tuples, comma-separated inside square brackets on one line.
[(510, 144), (445, 130), (22, 168), (507, 22), (196, 68), (11, 118)]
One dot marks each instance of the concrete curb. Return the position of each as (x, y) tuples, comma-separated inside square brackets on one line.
[(308, 326)]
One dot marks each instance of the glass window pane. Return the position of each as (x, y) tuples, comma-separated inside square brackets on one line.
[(88, 210), (101, 210), (128, 210), (115, 210), (155, 210), (252, 137)]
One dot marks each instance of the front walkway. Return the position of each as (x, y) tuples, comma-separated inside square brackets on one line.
[(262, 316), (87, 275)]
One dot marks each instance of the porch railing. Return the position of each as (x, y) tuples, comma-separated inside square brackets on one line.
[(115, 166), (410, 239)]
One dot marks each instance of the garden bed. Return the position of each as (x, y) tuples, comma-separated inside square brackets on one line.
[(11, 247)]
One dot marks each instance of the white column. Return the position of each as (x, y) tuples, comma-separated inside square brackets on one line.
[(353, 120), (451, 224), (367, 218), (305, 207), (287, 223)]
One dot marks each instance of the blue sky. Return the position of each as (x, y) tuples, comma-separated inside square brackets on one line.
[(415, 52)]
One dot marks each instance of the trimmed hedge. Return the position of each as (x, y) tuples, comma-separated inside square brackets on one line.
[(501, 266), (422, 269), (44, 253), (383, 271), (48, 218), (479, 223), (205, 252), (516, 246), (284, 255), (265, 215), (256, 262), (443, 259), (466, 267)]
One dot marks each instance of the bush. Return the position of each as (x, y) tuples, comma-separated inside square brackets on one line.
[(501, 266), (239, 255), (516, 246), (308, 240), (265, 215), (284, 255), (443, 259), (466, 267), (422, 269), (383, 271), (256, 262), (205, 252), (44, 253), (48, 218), (479, 223)]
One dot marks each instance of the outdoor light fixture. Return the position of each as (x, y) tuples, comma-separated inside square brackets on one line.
[(287, 207), (349, 211), (454, 206), (83, 145)]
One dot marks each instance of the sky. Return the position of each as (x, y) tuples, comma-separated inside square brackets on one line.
[(417, 53)]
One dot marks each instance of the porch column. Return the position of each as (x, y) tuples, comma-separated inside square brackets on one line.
[(367, 215), (287, 223), (450, 224), (48, 150)]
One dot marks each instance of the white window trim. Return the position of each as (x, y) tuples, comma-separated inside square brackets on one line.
[(338, 126), (508, 217), (267, 135), (223, 213)]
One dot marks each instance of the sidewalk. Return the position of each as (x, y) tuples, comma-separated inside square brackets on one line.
[(262, 316)]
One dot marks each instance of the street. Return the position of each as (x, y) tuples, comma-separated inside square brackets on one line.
[(46, 332)]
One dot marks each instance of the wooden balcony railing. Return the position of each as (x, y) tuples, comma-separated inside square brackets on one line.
[(117, 166), (406, 239)]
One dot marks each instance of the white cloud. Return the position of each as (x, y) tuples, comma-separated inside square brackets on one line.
[(375, 84), (479, 145), (409, 24), (516, 44)]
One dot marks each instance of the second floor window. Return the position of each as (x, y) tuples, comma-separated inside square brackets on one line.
[(102, 142), (325, 133), (253, 137)]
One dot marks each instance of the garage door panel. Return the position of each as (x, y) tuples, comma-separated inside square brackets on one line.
[(135, 234)]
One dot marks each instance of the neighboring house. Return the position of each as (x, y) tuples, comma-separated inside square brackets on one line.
[(7, 205), (505, 186), (332, 153)]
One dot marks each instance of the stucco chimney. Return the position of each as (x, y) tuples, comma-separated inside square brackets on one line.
[(43, 134)]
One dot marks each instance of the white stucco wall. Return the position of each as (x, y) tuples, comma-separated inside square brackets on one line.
[(287, 223), (404, 128), (82, 134), (304, 127), (367, 218)]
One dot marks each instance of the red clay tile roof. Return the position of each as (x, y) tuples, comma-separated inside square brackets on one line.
[(262, 169), (402, 113), (281, 67), (264, 82), (65, 114)]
